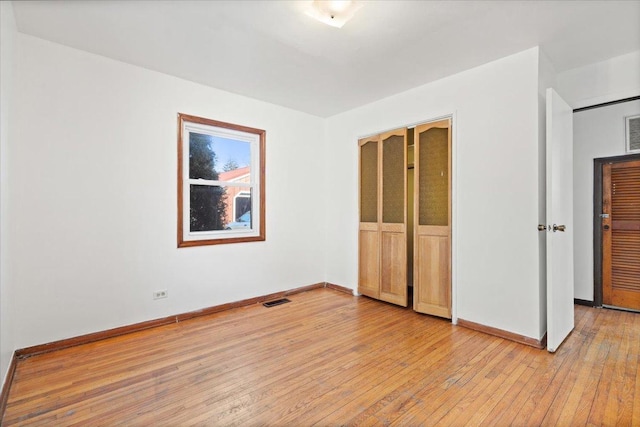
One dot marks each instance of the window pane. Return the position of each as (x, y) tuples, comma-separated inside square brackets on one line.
[(238, 216), (215, 208), (231, 156), (202, 159), (215, 158), (208, 208)]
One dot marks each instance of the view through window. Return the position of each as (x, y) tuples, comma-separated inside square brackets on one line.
[(221, 188)]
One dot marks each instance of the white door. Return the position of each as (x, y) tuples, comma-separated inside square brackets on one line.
[(559, 220)]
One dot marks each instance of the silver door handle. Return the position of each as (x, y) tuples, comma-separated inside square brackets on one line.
[(558, 228)]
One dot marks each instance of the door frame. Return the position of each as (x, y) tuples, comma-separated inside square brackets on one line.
[(597, 210)]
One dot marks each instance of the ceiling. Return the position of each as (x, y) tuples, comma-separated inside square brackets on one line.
[(272, 51)]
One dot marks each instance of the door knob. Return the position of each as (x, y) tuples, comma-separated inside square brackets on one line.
[(558, 228), (606, 226), (542, 227)]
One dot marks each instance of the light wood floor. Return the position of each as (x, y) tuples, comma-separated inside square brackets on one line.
[(328, 358)]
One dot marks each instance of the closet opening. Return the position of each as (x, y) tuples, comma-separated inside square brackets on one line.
[(410, 223), (405, 217)]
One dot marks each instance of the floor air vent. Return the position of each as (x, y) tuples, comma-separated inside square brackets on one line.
[(276, 302)]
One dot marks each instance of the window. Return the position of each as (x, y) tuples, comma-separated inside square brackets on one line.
[(220, 182), (633, 134)]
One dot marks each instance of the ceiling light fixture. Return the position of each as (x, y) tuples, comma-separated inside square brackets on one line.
[(333, 12)]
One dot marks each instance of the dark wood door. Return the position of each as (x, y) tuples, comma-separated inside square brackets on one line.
[(621, 234)]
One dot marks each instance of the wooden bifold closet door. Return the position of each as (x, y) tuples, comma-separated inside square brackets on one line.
[(369, 230), (383, 217), (432, 216), (383, 270)]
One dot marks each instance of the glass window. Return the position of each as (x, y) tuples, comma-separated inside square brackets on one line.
[(221, 182)]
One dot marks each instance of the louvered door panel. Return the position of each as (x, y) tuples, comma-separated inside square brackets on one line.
[(625, 252), (621, 235)]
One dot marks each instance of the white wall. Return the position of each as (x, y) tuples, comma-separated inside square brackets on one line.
[(7, 35), (496, 273), (598, 132), (93, 197), (610, 80), (546, 79)]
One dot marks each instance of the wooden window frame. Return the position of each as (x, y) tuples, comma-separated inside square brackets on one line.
[(257, 138)]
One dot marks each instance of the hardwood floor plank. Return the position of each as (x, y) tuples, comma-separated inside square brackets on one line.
[(583, 373), (607, 328), (226, 382), (494, 391), (380, 347), (325, 374), (590, 386), (453, 401), (383, 407), (509, 406), (255, 394), (328, 358), (447, 376), (635, 420), (615, 409), (432, 368), (549, 374), (620, 402), (554, 393), (387, 383)]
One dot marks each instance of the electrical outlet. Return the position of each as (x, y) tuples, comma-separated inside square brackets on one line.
[(160, 294)]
